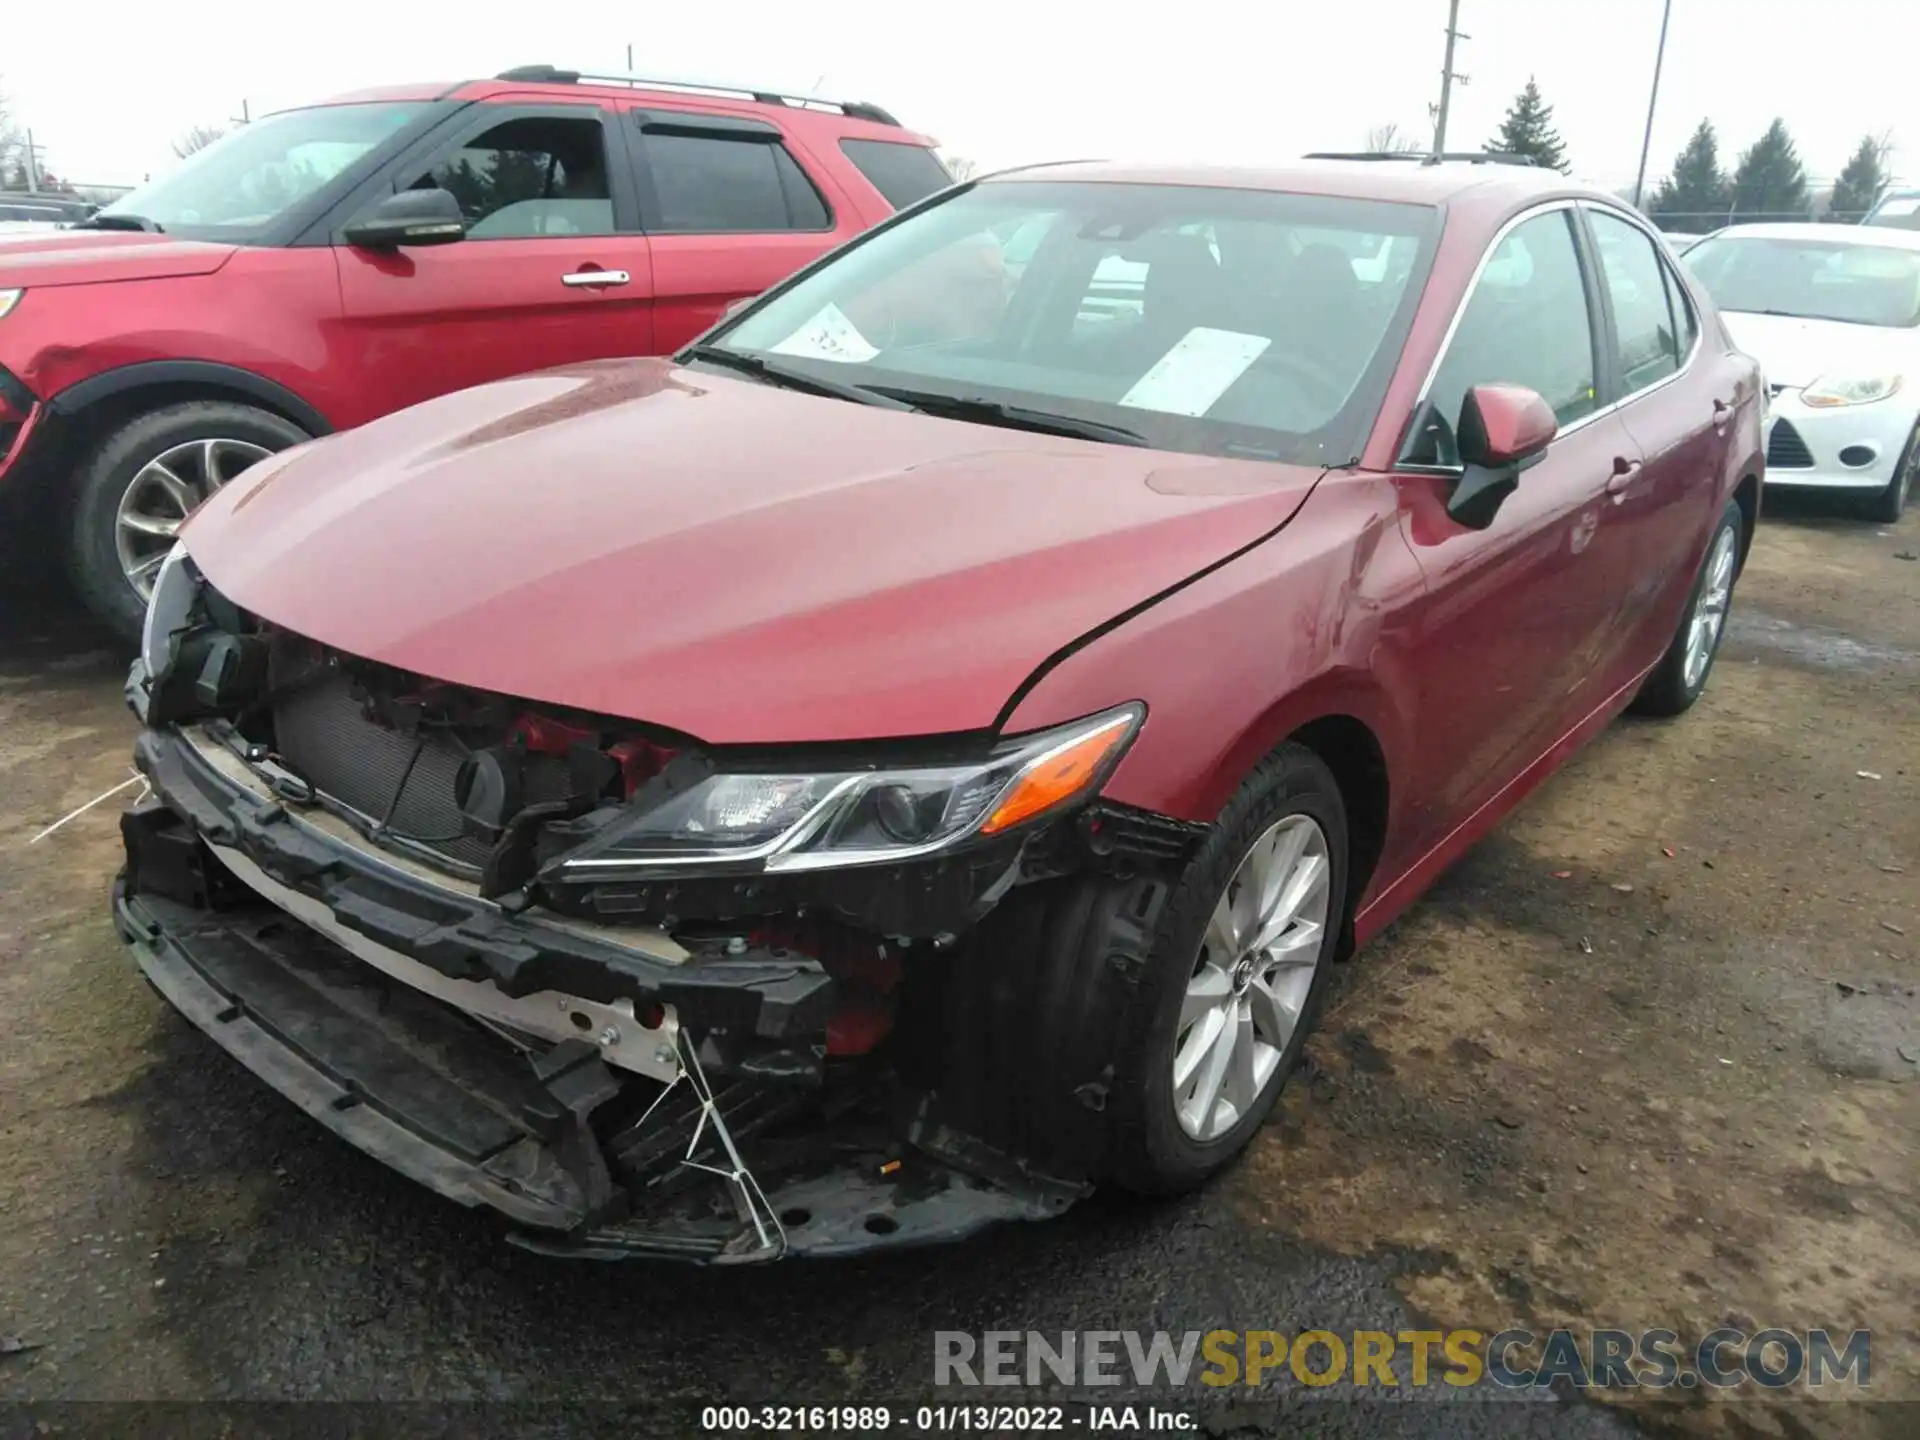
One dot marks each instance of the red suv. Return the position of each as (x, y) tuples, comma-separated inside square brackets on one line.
[(298, 277), (922, 751)]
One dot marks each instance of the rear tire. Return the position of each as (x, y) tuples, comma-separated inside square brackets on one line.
[(118, 472), (1886, 506), (1680, 677)]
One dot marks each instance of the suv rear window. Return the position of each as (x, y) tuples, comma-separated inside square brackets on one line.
[(705, 184), (901, 173)]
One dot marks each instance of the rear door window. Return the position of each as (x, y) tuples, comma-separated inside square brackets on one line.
[(1647, 341), (901, 173), (721, 184)]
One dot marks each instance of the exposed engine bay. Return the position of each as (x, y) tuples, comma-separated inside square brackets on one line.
[(638, 995)]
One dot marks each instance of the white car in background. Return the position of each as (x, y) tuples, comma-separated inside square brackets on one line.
[(1832, 313)]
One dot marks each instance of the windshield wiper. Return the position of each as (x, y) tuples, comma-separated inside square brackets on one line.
[(1802, 315), (119, 222), (1014, 417), (773, 373)]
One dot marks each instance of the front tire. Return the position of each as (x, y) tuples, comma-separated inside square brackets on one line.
[(1886, 506), (1680, 677), (1239, 966), (142, 480)]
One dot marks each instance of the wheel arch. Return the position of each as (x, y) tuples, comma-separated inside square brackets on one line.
[(1348, 747), (1747, 496), (150, 384)]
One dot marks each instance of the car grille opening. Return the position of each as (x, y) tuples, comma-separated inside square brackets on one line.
[(1786, 450), (323, 733)]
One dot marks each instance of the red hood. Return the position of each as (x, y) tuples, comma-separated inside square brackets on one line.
[(85, 257), (735, 561)]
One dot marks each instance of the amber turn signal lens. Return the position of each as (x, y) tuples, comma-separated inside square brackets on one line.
[(1059, 775)]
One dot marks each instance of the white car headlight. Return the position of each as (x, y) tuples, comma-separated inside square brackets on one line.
[(1839, 388), (175, 587), (9, 299), (785, 821)]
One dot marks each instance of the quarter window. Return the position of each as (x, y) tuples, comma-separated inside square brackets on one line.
[(531, 176), (1526, 323), (1648, 348), (712, 184), (901, 173)]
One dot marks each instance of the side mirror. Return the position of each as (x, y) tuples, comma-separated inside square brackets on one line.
[(1503, 429), (412, 217)]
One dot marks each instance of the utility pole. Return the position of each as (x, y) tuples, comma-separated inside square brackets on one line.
[(245, 117), (629, 57), (33, 166), (1447, 77), (1646, 139)]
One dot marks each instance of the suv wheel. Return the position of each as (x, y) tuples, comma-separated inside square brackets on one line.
[(146, 477)]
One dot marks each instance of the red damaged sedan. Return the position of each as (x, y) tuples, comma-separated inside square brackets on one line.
[(915, 755)]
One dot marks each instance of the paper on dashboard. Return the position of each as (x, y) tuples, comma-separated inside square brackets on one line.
[(1197, 371), (827, 336)]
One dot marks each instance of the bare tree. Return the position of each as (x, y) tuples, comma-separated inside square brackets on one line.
[(197, 138), (960, 167), (12, 150), (1387, 139)]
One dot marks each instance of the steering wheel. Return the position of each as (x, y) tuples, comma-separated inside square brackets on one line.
[(1314, 379)]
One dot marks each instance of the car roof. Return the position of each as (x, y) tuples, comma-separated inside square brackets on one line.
[(854, 121), (1887, 236), (1414, 182)]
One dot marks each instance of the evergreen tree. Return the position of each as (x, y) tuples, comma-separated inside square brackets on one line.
[(1770, 183), (1528, 131), (1861, 183), (1697, 195)]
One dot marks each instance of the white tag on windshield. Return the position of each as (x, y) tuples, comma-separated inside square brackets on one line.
[(1196, 372), (828, 336)]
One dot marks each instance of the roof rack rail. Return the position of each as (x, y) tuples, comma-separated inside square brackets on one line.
[(552, 75), (1428, 157)]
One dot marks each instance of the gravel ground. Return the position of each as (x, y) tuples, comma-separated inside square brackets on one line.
[(1650, 1057)]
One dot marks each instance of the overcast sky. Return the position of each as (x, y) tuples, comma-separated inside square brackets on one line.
[(1005, 81)]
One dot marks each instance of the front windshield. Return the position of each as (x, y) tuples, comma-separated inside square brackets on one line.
[(238, 186), (1813, 278), (1211, 320)]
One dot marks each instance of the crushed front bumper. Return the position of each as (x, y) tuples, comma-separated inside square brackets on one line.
[(708, 1128)]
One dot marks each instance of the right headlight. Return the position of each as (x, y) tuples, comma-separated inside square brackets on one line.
[(826, 819)]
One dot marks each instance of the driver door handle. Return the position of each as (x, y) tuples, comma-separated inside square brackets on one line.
[(1623, 472), (594, 279)]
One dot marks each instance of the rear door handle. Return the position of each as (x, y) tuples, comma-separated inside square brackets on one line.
[(1623, 472), (594, 279)]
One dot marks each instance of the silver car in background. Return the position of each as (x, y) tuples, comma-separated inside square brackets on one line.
[(1832, 313)]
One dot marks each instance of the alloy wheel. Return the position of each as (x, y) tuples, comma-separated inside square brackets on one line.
[(163, 492), (1710, 610), (1252, 978)]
